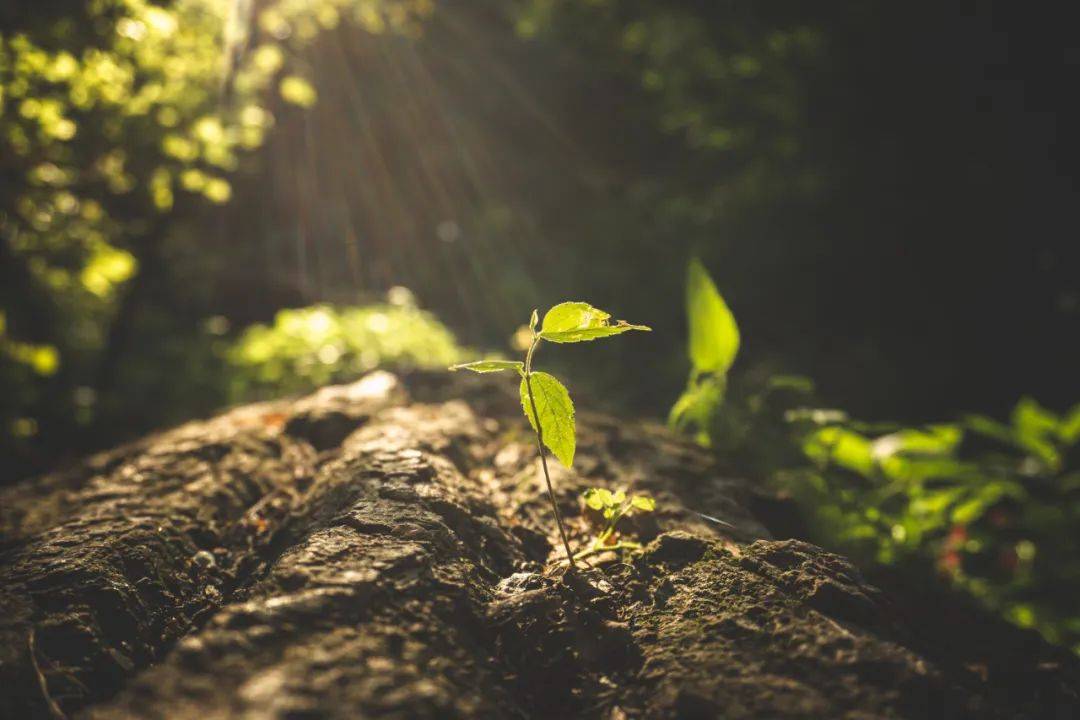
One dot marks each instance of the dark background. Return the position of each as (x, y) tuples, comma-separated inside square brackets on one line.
[(916, 253)]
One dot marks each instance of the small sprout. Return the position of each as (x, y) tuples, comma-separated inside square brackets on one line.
[(611, 507), (544, 400)]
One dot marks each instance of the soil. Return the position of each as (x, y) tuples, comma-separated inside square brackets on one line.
[(386, 549)]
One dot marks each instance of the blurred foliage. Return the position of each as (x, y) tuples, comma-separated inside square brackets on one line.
[(309, 347), (118, 119), (728, 92), (992, 508)]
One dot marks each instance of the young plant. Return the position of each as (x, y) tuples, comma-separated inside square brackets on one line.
[(713, 345), (611, 507), (544, 400)]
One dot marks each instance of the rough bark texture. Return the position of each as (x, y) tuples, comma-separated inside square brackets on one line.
[(385, 549)]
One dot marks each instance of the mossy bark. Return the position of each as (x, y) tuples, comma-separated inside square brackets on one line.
[(383, 549)]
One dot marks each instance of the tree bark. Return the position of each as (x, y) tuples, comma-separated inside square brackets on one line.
[(386, 548)]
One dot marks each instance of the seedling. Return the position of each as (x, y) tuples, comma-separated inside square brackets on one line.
[(611, 508), (544, 400), (712, 347)]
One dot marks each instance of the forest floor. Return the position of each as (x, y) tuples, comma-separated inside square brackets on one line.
[(386, 549)]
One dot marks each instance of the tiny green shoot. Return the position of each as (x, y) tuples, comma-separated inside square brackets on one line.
[(610, 508), (545, 401)]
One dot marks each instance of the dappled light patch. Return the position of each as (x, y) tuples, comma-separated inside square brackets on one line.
[(119, 120), (308, 347)]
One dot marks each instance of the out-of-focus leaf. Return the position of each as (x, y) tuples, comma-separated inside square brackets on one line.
[(714, 336), (791, 383), (1031, 418), (298, 91), (1036, 431), (597, 498), (1069, 432), (843, 447), (696, 407)]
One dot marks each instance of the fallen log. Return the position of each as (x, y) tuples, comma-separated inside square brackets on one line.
[(385, 549)]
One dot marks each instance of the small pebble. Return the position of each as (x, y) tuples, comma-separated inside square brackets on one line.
[(203, 560)]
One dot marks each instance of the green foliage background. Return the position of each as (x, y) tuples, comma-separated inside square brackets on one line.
[(991, 508), (121, 121)]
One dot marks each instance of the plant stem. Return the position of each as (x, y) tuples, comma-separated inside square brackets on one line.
[(597, 549), (543, 456)]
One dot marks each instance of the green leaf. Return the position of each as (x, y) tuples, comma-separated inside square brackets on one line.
[(555, 412), (933, 440), (985, 498), (698, 404), (714, 336), (597, 498), (841, 446), (490, 366), (644, 503), (1035, 429), (1031, 418), (587, 334), (571, 316), (1070, 427), (533, 319), (987, 427), (571, 322)]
